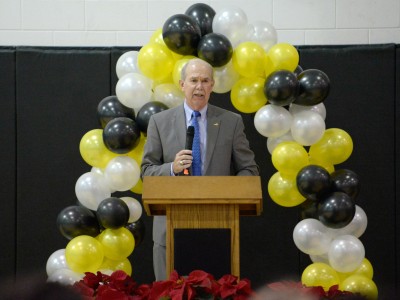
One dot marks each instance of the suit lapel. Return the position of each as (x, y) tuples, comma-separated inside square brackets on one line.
[(213, 127), (179, 123)]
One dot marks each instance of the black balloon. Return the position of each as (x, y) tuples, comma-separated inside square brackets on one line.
[(313, 182), (77, 220), (203, 15), (138, 230), (146, 111), (215, 48), (113, 213), (298, 70), (309, 209), (110, 108), (181, 34), (337, 210), (346, 181), (281, 87), (121, 135), (314, 87)]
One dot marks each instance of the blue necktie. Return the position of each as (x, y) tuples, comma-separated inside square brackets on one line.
[(196, 164)]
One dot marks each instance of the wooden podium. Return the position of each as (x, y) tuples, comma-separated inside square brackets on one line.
[(196, 202)]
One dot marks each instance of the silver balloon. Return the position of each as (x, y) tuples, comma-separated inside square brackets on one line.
[(232, 22), (134, 90), (346, 253), (262, 33), (312, 237), (169, 94), (356, 227), (319, 109), (272, 142), (92, 188), (56, 261), (272, 121), (307, 128), (65, 277), (135, 208), (225, 77), (127, 63), (122, 173)]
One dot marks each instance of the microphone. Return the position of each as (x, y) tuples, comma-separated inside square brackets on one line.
[(189, 138), (189, 143)]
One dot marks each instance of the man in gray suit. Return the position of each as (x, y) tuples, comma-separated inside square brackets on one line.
[(224, 147)]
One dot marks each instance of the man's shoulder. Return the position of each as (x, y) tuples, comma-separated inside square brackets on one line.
[(168, 112), (222, 112)]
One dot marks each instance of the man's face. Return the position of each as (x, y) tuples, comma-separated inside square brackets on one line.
[(198, 85)]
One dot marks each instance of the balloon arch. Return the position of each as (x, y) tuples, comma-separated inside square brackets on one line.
[(263, 77)]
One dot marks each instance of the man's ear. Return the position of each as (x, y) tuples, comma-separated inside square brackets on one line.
[(181, 83)]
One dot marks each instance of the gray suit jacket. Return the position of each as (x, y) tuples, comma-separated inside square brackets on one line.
[(227, 148)]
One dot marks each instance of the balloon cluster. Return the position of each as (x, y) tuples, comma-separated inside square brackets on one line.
[(102, 229), (304, 154)]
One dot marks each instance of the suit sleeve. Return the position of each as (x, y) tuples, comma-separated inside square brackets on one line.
[(242, 156), (152, 162)]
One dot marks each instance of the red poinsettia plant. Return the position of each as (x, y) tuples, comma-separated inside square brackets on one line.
[(198, 285)]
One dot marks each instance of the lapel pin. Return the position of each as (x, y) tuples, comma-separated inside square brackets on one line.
[(216, 124)]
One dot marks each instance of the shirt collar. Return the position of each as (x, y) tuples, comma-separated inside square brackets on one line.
[(189, 111)]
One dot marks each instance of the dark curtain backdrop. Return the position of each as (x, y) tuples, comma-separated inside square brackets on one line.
[(49, 98)]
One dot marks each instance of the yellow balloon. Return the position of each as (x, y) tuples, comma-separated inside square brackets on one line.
[(93, 150), (269, 67), (289, 158), (155, 61), (114, 265), (320, 274), (365, 269), (138, 188), (360, 284), (248, 59), (326, 165), (84, 254), (176, 71), (118, 244), (137, 152), (283, 191), (157, 37), (284, 56), (335, 146), (247, 94)]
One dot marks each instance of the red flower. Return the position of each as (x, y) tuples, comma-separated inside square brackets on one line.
[(229, 287)]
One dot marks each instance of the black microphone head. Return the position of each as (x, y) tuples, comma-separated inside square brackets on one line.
[(189, 138), (190, 130)]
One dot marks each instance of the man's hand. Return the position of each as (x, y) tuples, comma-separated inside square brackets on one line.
[(183, 160)]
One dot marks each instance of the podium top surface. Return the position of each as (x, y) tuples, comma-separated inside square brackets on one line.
[(161, 191)]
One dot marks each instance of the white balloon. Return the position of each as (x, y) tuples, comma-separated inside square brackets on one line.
[(312, 237), (272, 142), (272, 121), (307, 128), (92, 188), (122, 173), (134, 90), (262, 33), (346, 253), (323, 258), (225, 77), (169, 94), (356, 227), (65, 277), (127, 63), (231, 22), (135, 208), (319, 109), (56, 261)]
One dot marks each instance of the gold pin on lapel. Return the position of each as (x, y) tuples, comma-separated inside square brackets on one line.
[(216, 124)]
